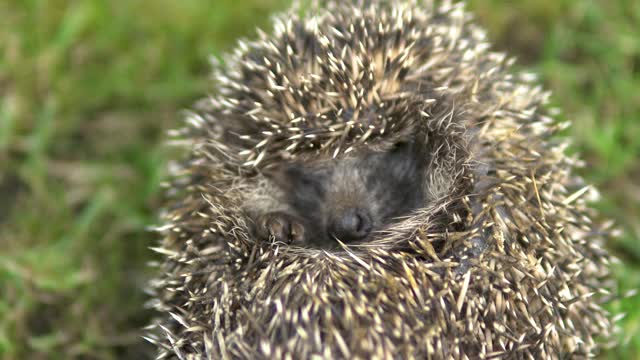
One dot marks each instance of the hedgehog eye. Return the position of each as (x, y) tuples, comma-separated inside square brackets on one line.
[(299, 177), (400, 147)]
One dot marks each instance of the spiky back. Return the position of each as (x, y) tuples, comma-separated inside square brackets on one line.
[(505, 263)]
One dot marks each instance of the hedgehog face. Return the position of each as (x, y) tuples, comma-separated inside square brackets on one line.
[(350, 199)]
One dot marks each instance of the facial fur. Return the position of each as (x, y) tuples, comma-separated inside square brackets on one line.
[(349, 199)]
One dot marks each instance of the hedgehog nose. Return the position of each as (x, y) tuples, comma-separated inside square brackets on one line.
[(351, 225)]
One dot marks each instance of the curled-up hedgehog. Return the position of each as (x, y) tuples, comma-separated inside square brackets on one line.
[(371, 181)]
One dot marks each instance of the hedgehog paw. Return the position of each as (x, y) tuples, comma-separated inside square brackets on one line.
[(281, 227)]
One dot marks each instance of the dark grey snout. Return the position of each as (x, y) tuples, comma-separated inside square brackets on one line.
[(351, 225)]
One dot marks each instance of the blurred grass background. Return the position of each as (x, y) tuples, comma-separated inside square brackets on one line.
[(89, 87)]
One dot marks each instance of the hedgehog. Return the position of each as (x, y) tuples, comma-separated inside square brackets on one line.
[(369, 180)]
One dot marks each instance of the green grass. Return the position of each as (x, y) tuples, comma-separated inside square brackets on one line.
[(88, 88)]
